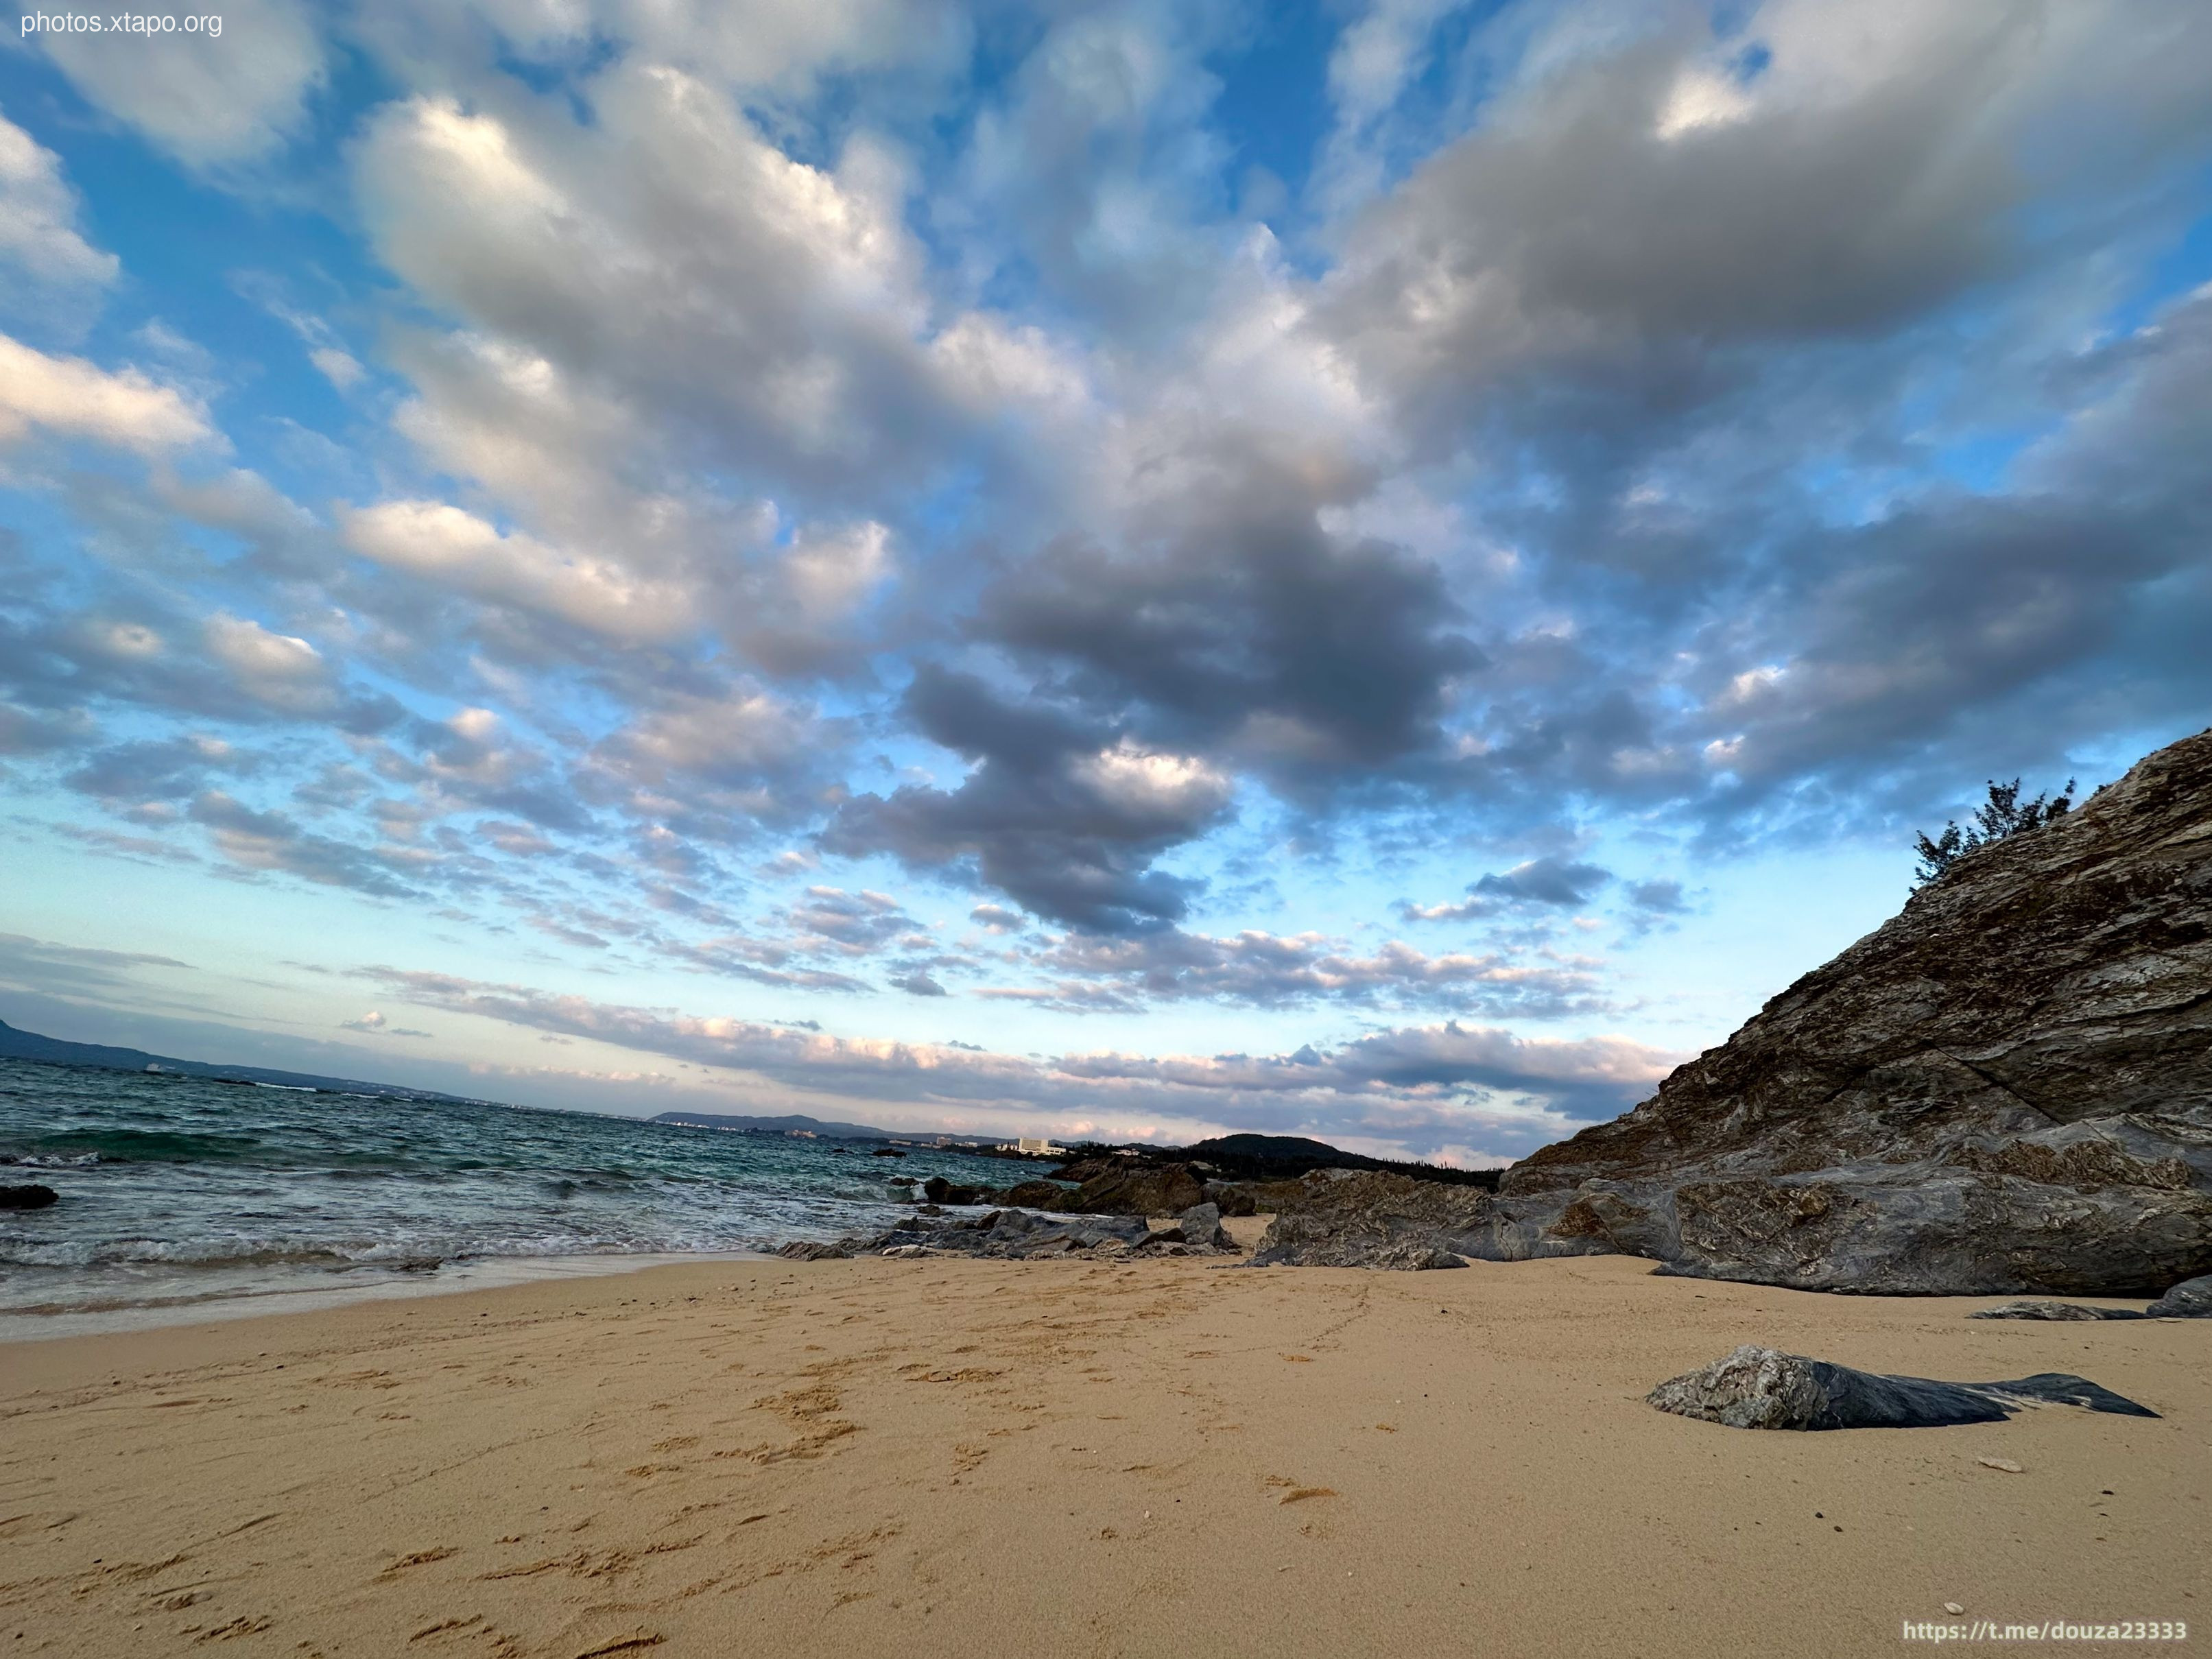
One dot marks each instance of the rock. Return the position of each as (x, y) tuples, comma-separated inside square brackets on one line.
[(1761, 1389), (938, 1190), (2051, 1311), (2002, 1465), (1139, 1189), (1035, 1195), (1201, 1227), (1359, 1218), (1010, 1235), (2191, 1299), (1232, 1199), (30, 1196), (905, 1252), (887, 1151), (2007, 1089), (808, 1249)]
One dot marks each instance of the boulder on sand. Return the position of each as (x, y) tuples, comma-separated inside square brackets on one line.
[(1762, 1389), (2051, 1311), (2191, 1299), (2007, 1089)]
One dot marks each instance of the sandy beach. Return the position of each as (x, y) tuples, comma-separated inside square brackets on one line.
[(945, 1457)]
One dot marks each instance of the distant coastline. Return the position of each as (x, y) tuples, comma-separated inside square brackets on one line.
[(18, 1044)]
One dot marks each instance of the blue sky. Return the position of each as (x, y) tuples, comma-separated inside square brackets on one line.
[(1383, 571)]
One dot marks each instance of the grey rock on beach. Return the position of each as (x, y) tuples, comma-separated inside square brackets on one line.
[(2051, 1311), (1758, 1387), (2191, 1299)]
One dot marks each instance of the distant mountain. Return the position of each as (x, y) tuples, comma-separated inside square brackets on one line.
[(54, 1051), (794, 1124)]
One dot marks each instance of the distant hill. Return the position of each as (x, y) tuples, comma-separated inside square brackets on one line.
[(795, 1123), (1284, 1158), (54, 1051)]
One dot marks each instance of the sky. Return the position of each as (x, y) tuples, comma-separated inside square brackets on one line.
[(1385, 569)]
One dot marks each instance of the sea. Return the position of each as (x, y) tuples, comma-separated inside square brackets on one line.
[(183, 1199)]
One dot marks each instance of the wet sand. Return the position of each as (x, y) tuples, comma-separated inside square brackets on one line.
[(948, 1457)]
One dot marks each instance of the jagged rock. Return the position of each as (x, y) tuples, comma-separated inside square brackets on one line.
[(2006, 1089), (1198, 1231), (1356, 1218), (1015, 1235), (938, 1190), (2053, 1310), (1762, 1389), (1139, 1189), (2191, 1299), (1230, 1198), (1200, 1226), (808, 1249), (1036, 1195), (28, 1196)]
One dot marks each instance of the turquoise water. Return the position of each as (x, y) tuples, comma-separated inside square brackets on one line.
[(177, 1193)]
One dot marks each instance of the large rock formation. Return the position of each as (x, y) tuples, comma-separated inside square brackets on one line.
[(2006, 1088), (1356, 1218)]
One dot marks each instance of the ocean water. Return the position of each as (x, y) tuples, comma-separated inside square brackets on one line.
[(181, 1198)]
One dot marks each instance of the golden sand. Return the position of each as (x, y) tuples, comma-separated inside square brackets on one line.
[(940, 1457)]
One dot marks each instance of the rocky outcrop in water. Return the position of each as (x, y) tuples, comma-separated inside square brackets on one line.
[(2006, 1089), (28, 1196), (1762, 1389)]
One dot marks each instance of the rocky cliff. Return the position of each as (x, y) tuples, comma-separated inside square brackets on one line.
[(2006, 1088)]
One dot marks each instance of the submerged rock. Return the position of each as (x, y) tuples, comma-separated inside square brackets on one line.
[(2191, 1299), (1763, 1389), (30, 1195), (2053, 1310), (2005, 1089)]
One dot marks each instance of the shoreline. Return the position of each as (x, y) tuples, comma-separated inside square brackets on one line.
[(447, 1278), (873, 1455)]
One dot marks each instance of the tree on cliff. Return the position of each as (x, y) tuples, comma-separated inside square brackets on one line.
[(2003, 814)]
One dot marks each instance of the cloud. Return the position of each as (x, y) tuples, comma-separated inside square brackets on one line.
[(71, 398), (209, 98), (456, 549), (40, 214), (1057, 814), (373, 1024), (1420, 1088), (260, 841), (1266, 969)]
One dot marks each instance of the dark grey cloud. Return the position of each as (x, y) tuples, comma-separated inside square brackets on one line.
[(1546, 880), (1254, 634), (1056, 813)]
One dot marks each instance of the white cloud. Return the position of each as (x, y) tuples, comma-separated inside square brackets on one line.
[(39, 233), (208, 101), (456, 549), (72, 398)]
